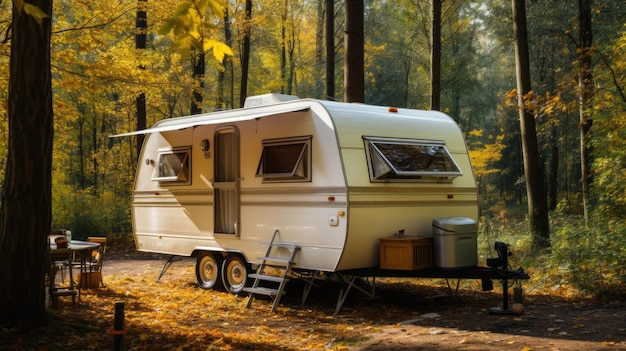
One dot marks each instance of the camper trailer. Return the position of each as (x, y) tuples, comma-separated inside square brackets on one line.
[(330, 178)]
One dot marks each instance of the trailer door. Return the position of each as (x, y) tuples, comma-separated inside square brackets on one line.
[(226, 183)]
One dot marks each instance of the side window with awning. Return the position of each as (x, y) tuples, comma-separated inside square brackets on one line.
[(173, 166), (286, 160), (409, 160)]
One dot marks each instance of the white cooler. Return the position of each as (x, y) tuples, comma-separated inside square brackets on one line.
[(454, 243)]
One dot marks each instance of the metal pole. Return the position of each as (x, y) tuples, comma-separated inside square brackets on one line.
[(118, 326)]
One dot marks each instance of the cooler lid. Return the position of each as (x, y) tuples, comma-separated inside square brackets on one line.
[(455, 224)]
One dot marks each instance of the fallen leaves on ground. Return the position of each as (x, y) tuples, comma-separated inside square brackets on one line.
[(175, 314)]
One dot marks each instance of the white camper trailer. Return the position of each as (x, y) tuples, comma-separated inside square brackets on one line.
[(333, 178)]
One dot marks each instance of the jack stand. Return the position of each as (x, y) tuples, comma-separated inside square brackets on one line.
[(505, 300), (502, 261)]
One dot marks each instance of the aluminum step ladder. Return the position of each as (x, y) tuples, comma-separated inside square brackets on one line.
[(280, 257)]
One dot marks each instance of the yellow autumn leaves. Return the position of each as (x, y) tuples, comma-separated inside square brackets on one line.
[(30, 10), (191, 30)]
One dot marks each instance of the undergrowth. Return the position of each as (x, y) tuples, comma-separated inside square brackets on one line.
[(582, 261)]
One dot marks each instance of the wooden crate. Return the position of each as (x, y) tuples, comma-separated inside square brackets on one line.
[(89, 280), (406, 253)]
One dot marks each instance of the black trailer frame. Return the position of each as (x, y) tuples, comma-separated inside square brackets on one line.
[(485, 274)]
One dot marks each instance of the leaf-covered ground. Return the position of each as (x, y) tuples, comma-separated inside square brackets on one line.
[(174, 314)]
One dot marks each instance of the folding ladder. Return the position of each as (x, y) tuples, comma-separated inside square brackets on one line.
[(279, 258)]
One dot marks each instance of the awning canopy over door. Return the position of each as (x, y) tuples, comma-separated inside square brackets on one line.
[(215, 118)]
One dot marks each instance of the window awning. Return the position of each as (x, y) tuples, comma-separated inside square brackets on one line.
[(214, 118)]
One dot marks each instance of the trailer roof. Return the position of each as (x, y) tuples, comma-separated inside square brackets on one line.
[(344, 115)]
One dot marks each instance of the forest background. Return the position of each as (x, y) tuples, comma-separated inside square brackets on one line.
[(98, 73)]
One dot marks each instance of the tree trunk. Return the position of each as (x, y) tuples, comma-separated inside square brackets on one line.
[(330, 49), (81, 150), (227, 66), (197, 60), (94, 152), (407, 81), (535, 192), (26, 199), (553, 189), (245, 54), (141, 30), (291, 66), (354, 59), (291, 78), (319, 48), (435, 56), (283, 48), (585, 91), (455, 106)]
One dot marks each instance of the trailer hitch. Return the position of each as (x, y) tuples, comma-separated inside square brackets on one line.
[(503, 256), (502, 261)]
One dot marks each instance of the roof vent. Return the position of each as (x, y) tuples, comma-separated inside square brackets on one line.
[(268, 99)]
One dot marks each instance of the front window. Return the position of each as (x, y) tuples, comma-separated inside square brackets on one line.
[(409, 160), (172, 166), (285, 160)]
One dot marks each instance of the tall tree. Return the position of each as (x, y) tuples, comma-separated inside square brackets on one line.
[(290, 22), (354, 59), (283, 47), (26, 200), (226, 67), (533, 173), (198, 66), (141, 31), (330, 49), (435, 55), (585, 90), (319, 47), (245, 54)]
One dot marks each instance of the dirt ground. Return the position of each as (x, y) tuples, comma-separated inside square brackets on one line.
[(412, 316)]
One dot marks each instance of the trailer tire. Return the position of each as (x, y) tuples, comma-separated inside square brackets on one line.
[(235, 271), (208, 269)]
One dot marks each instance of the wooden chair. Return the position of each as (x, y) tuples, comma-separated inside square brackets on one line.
[(97, 257), (60, 258)]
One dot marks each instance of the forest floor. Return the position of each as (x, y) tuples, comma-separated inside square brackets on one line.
[(174, 314)]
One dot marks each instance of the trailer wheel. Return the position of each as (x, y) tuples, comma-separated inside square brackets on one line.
[(234, 273), (208, 267)]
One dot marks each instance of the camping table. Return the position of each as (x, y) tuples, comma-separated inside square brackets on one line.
[(81, 250)]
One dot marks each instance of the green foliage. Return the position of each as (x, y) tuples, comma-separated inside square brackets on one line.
[(88, 214), (609, 142), (610, 185), (581, 261), (592, 259)]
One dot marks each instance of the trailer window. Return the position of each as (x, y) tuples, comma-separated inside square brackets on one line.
[(172, 166), (285, 160), (409, 160)]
